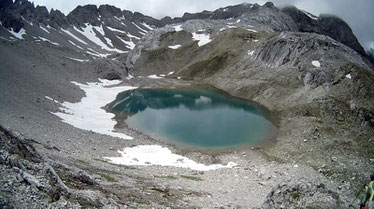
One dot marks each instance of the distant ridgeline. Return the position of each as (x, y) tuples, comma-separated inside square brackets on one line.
[(101, 31)]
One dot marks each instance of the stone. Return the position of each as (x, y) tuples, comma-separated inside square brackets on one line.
[(32, 180)]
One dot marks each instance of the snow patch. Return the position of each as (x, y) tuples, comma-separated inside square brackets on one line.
[(132, 36), (238, 21), (101, 31), (18, 35), (248, 29), (171, 73), (95, 53), (222, 29), (147, 26), (45, 29), (154, 77), (78, 60), (250, 53), (46, 40), (142, 30), (232, 26), (316, 63), (202, 38), (129, 77), (145, 155), (310, 15), (72, 35), (75, 45), (90, 34), (53, 100), (129, 44), (178, 28), (88, 113), (349, 76), (175, 46), (116, 30)]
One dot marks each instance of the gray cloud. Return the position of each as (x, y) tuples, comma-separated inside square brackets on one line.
[(358, 14)]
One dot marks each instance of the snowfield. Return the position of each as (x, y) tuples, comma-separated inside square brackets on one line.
[(146, 155), (88, 113), (202, 38)]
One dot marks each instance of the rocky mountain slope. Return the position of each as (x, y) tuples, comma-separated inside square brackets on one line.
[(100, 31), (310, 72)]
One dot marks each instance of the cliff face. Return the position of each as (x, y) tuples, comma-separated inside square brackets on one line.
[(327, 25)]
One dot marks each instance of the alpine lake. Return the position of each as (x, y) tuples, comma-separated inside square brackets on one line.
[(198, 116)]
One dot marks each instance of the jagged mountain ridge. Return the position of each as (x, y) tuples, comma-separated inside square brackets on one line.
[(107, 29), (96, 31)]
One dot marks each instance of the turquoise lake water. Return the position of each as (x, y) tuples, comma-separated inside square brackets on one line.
[(203, 117)]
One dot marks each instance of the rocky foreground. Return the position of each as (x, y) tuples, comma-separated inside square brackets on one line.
[(317, 82)]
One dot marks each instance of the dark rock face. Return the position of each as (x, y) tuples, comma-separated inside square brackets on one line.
[(339, 30), (303, 22), (108, 11), (57, 19), (328, 25), (371, 55), (271, 16), (9, 18), (222, 13), (84, 14)]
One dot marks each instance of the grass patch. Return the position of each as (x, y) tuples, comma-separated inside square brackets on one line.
[(117, 165), (296, 195), (165, 192), (143, 202), (83, 162), (193, 178), (167, 177), (208, 67), (154, 54), (108, 178)]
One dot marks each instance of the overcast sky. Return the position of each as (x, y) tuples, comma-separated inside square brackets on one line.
[(357, 13)]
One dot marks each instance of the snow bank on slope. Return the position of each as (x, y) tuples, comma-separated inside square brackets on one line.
[(75, 37), (45, 29), (146, 155), (129, 44), (116, 30), (175, 46), (47, 40), (316, 63), (78, 60), (18, 35), (202, 38), (154, 77), (88, 113), (178, 28), (90, 34)]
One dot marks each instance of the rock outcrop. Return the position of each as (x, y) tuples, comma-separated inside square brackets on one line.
[(329, 25)]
